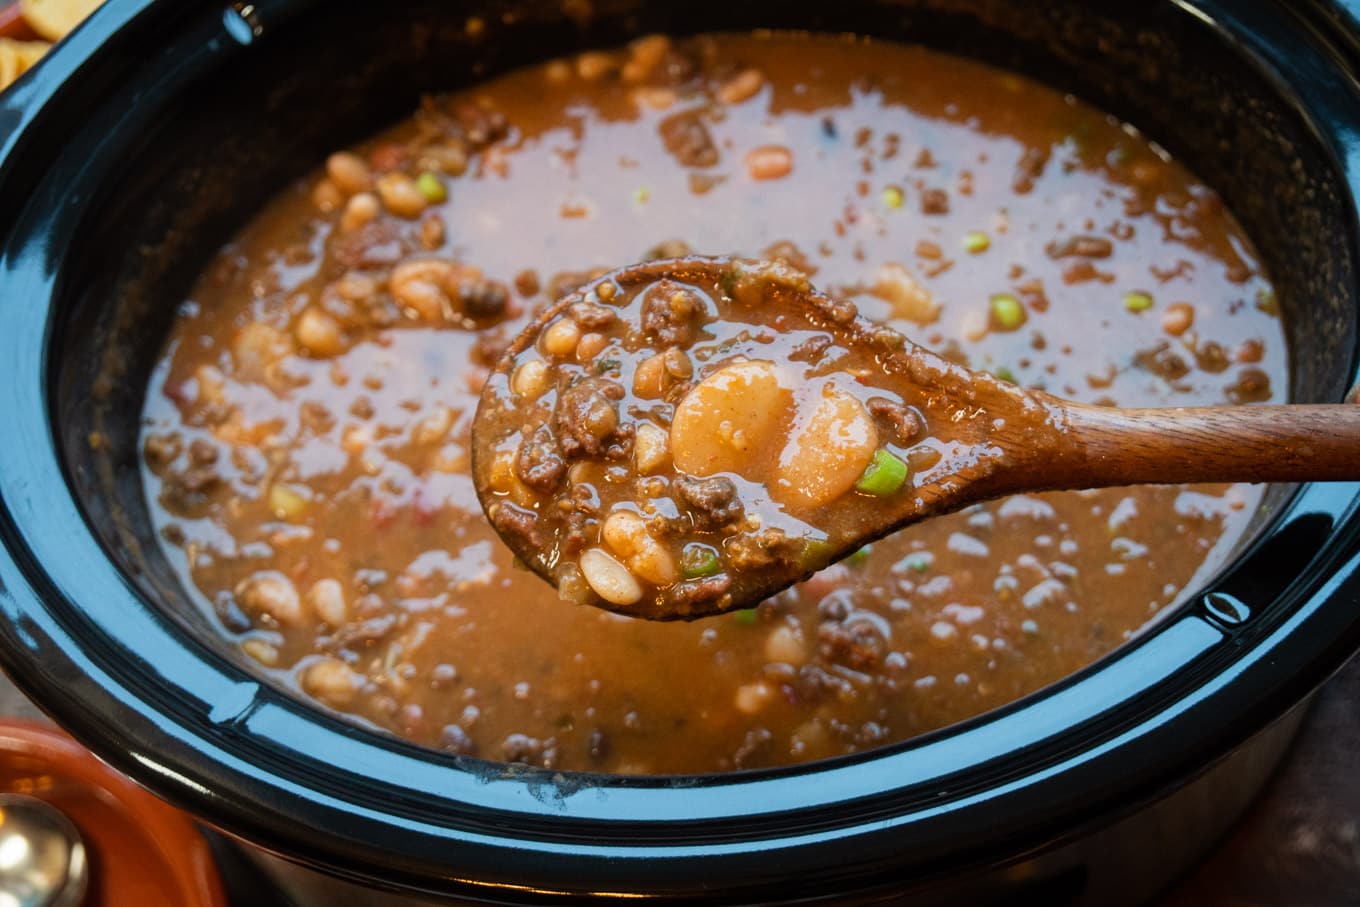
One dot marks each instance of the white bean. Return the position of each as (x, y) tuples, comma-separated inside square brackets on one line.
[(327, 197), (349, 172), (626, 533), (610, 579), (590, 346), (909, 298), (530, 379), (332, 681), (319, 333), (785, 644), (270, 592), (646, 53), (741, 87), (560, 338), (263, 652), (359, 210), (752, 697), (433, 427), (257, 347), (594, 65), (656, 374), (419, 286), (502, 478), (327, 598), (769, 162)]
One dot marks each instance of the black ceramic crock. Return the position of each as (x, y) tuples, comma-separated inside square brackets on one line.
[(149, 135)]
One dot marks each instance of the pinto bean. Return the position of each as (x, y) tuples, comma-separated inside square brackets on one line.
[(418, 285), (349, 173), (769, 162), (741, 87), (401, 196)]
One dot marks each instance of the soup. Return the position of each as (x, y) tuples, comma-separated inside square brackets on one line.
[(306, 434)]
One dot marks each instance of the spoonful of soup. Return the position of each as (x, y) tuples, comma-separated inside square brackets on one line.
[(686, 437)]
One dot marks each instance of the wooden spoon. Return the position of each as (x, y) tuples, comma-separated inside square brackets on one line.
[(1002, 439)]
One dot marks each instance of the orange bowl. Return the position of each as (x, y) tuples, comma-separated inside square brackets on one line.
[(141, 850)]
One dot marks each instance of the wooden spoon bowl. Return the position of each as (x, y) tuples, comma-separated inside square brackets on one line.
[(986, 438)]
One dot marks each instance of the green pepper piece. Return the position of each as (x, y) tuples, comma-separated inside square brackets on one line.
[(1266, 302), (431, 187), (919, 562), (1137, 301), (1008, 313), (698, 560), (975, 241), (884, 475), (747, 617)]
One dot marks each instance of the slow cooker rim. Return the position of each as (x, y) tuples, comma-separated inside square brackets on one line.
[(61, 683)]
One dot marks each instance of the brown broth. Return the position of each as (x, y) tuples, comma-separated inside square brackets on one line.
[(442, 640)]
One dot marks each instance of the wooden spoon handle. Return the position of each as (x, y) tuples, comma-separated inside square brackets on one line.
[(1295, 443)]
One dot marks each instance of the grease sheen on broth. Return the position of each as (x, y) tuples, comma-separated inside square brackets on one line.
[(306, 432)]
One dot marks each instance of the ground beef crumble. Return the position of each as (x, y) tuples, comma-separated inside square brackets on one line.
[(762, 550), (670, 313), (586, 420), (539, 463), (713, 501), (688, 139)]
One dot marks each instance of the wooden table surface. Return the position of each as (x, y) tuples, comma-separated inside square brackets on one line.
[(1298, 845)]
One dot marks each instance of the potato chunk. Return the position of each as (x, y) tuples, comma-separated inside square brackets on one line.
[(727, 419), (831, 444)]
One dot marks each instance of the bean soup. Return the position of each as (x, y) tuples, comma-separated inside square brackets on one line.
[(306, 434)]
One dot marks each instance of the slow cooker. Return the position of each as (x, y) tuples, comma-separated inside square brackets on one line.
[(155, 130)]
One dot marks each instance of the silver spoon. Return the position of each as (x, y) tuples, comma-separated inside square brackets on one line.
[(42, 856)]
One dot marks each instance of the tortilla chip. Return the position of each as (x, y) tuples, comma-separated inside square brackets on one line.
[(9, 63), (16, 57), (53, 19), (29, 53)]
